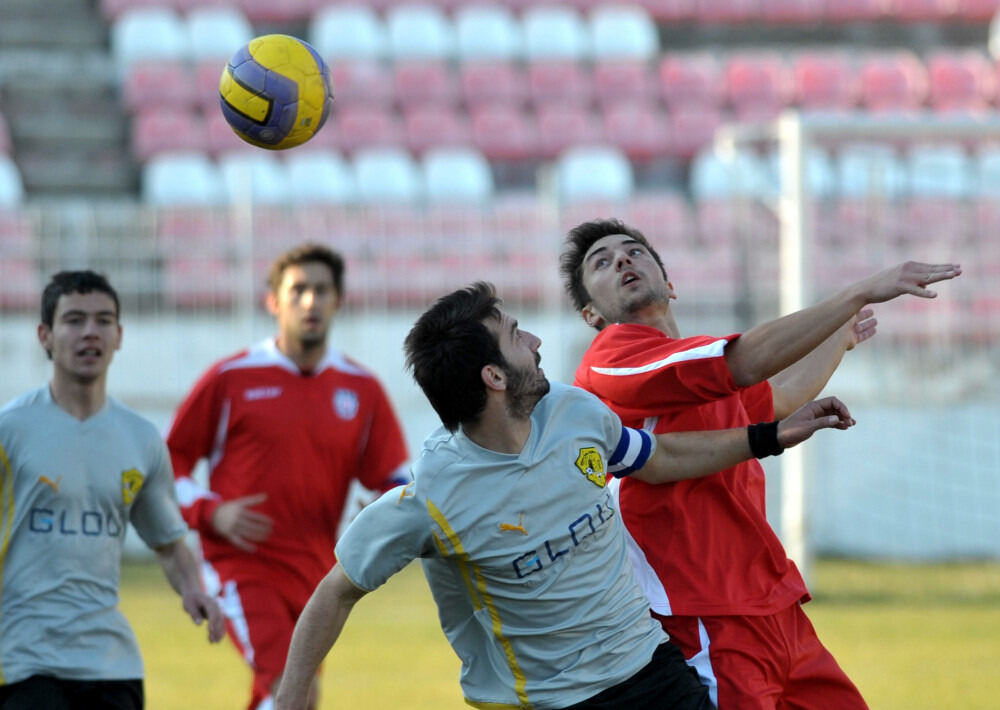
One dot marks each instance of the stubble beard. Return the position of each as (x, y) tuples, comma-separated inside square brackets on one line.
[(524, 389)]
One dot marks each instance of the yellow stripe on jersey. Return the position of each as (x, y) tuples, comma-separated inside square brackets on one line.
[(483, 594), (7, 522)]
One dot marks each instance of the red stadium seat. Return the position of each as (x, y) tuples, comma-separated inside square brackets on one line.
[(418, 81), (206, 77), (277, 11), (670, 11), (152, 84), (618, 79), (717, 12), (551, 80), (854, 10), (564, 125), (918, 10), (960, 80), (492, 81), (638, 128), (756, 79), (200, 282), (823, 80), (164, 130), (690, 78), (361, 126), (894, 81), (793, 11), (666, 218), (221, 138), (433, 125), (504, 132), (361, 81), (692, 127), (975, 10)]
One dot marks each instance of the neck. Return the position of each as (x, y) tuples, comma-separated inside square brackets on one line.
[(654, 316), (305, 357), (80, 400), (497, 431)]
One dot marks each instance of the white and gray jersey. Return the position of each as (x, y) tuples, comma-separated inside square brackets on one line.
[(68, 490), (525, 555)]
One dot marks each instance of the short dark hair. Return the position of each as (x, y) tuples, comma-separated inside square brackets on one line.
[(447, 349), (579, 240), (67, 282), (302, 255)]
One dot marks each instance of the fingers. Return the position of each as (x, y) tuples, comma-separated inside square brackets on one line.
[(920, 275), (250, 500)]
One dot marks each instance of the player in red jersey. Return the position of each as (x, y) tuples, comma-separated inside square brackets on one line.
[(715, 572), (285, 426)]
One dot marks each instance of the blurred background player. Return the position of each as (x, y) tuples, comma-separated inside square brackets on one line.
[(76, 467), (511, 496), (286, 426), (716, 574)]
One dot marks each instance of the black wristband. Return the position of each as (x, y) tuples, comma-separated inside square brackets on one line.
[(764, 440)]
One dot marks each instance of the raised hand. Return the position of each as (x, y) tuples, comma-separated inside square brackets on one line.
[(910, 277), (235, 521), (826, 413)]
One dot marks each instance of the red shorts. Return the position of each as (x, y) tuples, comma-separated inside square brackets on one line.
[(771, 662), (260, 618)]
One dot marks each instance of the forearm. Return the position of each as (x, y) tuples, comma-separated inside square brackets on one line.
[(317, 629), (179, 566), (692, 454), (805, 379)]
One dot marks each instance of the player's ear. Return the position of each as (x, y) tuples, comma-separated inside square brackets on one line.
[(271, 301), (671, 292), (494, 377), (592, 316), (45, 338)]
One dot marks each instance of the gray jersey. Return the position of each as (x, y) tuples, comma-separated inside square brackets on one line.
[(525, 555), (68, 490)]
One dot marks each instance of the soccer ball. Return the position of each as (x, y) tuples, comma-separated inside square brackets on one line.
[(276, 92)]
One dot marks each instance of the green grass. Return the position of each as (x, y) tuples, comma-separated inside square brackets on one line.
[(912, 637)]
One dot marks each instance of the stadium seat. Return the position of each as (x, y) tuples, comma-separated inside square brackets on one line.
[(798, 12), (504, 132), (163, 130), (723, 12), (670, 12), (869, 170), (200, 282), (431, 125), (666, 218), (350, 31), (11, 184), (823, 80), (756, 79), (638, 128), (456, 175), (587, 173), (217, 32), (361, 81), (387, 174), (275, 12), (717, 177), (151, 34), (181, 179), (206, 76), (622, 31), (690, 78), (564, 125), (487, 32), (320, 177), (892, 81), (492, 81), (918, 10), (256, 177), (623, 79), (110, 10), (221, 137), (975, 11), (559, 80), (554, 31), (418, 31), (986, 169), (940, 170), (420, 81), (820, 174), (165, 83), (354, 127), (960, 80), (853, 11), (692, 126)]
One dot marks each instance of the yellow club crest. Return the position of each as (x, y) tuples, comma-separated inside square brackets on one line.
[(131, 484), (592, 466)]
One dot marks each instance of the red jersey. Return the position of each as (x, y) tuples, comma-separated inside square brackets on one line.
[(707, 546), (266, 427)]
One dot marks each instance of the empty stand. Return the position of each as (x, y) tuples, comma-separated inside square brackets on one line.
[(622, 31), (163, 129), (418, 31), (504, 132), (11, 185), (432, 125), (690, 78), (487, 32), (456, 175), (320, 177), (152, 34), (156, 84), (181, 179), (591, 173), (349, 31), (892, 81), (824, 80), (623, 79), (756, 80), (554, 32), (559, 80), (564, 125), (354, 127), (492, 81), (361, 81), (420, 81), (960, 81), (638, 128), (257, 177), (939, 171), (872, 170), (216, 32), (388, 175), (692, 126)]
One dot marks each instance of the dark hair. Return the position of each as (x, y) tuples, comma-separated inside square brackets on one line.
[(447, 349), (579, 240), (67, 282), (302, 255)]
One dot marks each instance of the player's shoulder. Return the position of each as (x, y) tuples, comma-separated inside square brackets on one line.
[(124, 416), (24, 405), (339, 363)]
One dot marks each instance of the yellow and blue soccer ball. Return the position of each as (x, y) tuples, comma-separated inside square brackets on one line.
[(276, 92)]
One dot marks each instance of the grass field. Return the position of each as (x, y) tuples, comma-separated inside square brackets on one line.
[(913, 637)]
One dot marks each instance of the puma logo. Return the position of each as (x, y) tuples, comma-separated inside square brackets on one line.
[(406, 492), (54, 485), (507, 527)]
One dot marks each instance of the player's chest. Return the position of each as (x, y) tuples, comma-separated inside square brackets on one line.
[(300, 405)]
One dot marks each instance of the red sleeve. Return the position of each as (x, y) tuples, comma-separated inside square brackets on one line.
[(758, 401), (191, 439), (640, 371), (384, 449)]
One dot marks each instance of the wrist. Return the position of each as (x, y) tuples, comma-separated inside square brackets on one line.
[(763, 439)]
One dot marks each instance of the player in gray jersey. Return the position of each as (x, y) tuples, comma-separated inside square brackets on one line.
[(521, 541), (76, 467)]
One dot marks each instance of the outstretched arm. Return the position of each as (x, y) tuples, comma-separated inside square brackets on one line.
[(316, 631), (767, 349), (805, 379), (181, 569), (693, 454)]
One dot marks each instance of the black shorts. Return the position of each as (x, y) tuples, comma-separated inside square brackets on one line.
[(42, 691), (665, 683)]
